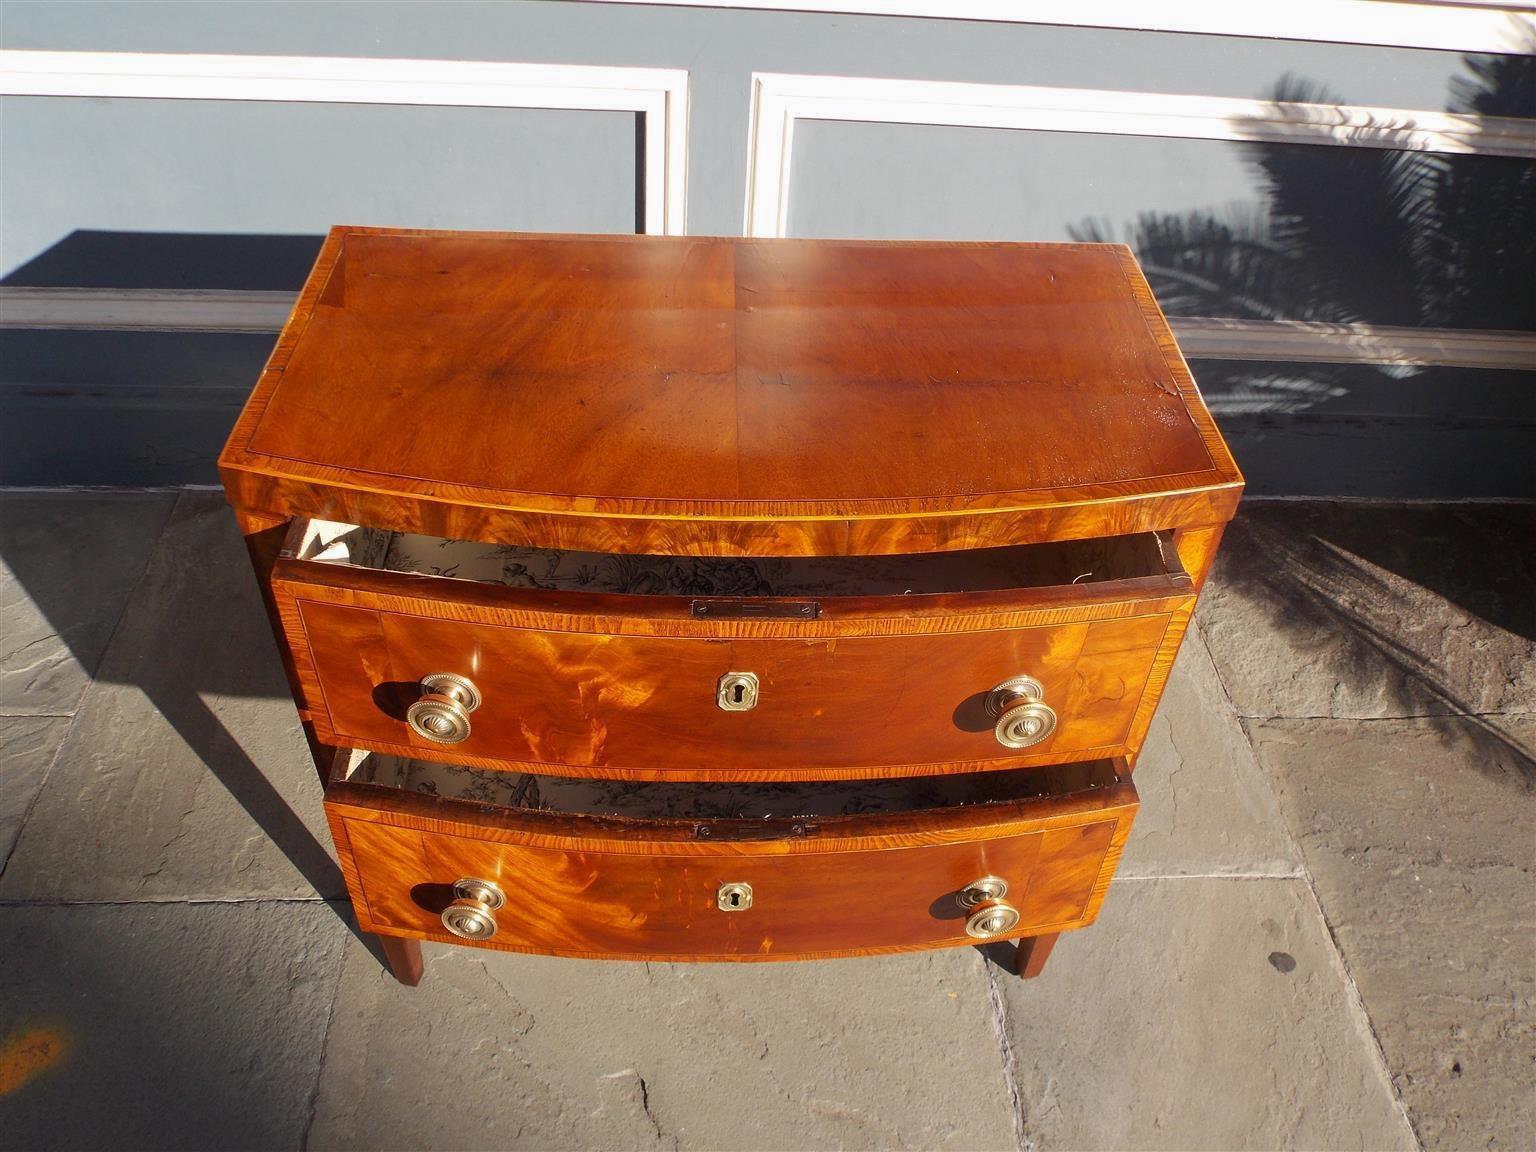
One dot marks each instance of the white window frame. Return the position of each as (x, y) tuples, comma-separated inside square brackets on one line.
[(781, 100), (1443, 25), (660, 95)]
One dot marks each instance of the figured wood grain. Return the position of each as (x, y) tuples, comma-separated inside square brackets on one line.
[(470, 515), (727, 397), (645, 890), (569, 701), (699, 395), (1196, 547)]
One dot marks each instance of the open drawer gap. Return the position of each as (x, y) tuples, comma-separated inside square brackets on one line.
[(1140, 556), (721, 800)]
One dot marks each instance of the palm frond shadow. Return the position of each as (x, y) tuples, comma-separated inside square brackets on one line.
[(1319, 591), (1351, 235), (1354, 235)]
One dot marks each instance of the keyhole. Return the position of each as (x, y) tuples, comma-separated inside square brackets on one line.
[(734, 897), (737, 691)]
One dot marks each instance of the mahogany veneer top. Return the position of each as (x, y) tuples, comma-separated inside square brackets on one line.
[(682, 393)]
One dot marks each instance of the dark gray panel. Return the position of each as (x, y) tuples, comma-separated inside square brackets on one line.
[(1258, 231), (1362, 430), (95, 258), (121, 407)]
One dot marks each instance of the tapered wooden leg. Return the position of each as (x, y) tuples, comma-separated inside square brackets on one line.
[(403, 957), (1034, 951)]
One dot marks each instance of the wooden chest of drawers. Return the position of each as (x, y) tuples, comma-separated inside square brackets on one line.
[(720, 599)]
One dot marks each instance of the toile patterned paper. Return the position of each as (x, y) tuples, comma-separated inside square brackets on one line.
[(800, 576), (706, 800)]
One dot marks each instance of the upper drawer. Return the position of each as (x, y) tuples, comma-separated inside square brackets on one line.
[(777, 669)]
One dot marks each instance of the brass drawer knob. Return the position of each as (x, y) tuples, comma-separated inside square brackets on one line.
[(1023, 716), (992, 920), (442, 713), (983, 891), (472, 916)]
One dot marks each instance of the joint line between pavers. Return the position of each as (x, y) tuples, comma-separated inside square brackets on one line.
[(5, 861), (325, 1048), (62, 902), (1297, 875), (1363, 1017), (1351, 989), (1005, 1051), (1518, 714)]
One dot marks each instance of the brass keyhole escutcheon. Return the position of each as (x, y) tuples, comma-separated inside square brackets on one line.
[(737, 692), (735, 897)]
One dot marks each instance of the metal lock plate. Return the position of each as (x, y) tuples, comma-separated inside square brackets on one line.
[(733, 897), (737, 692)]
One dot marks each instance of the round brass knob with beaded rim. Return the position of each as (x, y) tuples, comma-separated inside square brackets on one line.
[(442, 713), (472, 915), (1023, 716), (992, 920), (983, 891)]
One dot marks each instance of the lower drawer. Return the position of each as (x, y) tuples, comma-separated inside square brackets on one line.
[(726, 872)]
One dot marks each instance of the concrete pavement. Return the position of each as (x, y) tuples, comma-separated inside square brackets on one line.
[(1323, 934)]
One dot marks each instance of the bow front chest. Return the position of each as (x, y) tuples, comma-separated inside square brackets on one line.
[(724, 599)]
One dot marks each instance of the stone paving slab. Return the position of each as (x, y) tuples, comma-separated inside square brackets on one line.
[(184, 774), (496, 1050), (163, 1026), (1364, 610), (68, 562), (28, 745), (1421, 839), (1198, 1014), (1206, 808)]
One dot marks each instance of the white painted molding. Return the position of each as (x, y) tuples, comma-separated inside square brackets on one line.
[(1201, 337), (781, 99), (145, 309), (658, 94), (1451, 27), (1296, 341)]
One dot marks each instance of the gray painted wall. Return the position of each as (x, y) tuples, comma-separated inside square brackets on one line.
[(218, 194), (234, 167)]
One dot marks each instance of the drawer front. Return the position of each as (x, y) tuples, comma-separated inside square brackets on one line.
[(835, 893), (645, 706)]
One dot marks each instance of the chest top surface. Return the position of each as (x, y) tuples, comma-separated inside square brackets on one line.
[(583, 382)]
